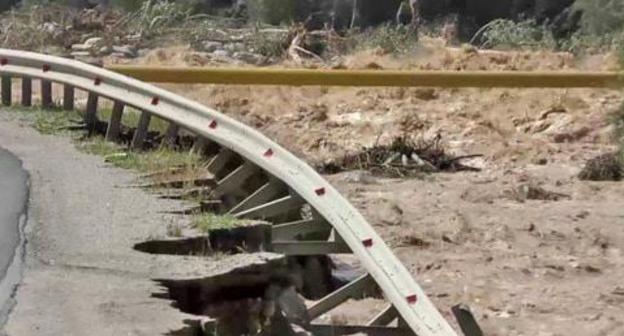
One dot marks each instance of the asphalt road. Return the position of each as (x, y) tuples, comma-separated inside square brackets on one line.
[(13, 200)]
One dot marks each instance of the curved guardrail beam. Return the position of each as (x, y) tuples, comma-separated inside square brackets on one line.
[(409, 300)]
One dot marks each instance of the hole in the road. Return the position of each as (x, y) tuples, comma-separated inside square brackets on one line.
[(244, 239), (260, 299), (243, 301)]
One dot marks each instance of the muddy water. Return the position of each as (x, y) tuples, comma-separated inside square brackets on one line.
[(13, 199)]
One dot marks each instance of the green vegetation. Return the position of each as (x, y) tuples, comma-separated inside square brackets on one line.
[(206, 222), (601, 17), (60, 122), (507, 34), (153, 18), (131, 117), (49, 121), (273, 12), (389, 38), (98, 146), (601, 29), (54, 122), (617, 119), (153, 161), (267, 45)]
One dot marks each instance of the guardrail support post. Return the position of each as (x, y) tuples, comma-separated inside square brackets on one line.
[(90, 116), (46, 93), (141, 131), (114, 124), (6, 90), (68, 98), (170, 135), (26, 91)]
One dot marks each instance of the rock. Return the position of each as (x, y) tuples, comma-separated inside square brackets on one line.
[(359, 177), (293, 307), (80, 54), (211, 46), (248, 57), (94, 42), (582, 215), (426, 94), (105, 50), (552, 110), (125, 50), (391, 214), (571, 136), (530, 191), (592, 269), (234, 47), (80, 47), (317, 277), (220, 54)]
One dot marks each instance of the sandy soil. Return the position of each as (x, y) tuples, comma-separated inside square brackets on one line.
[(526, 267)]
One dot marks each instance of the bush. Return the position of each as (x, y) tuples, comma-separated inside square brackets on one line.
[(128, 5), (273, 12), (503, 33), (601, 16), (620, 52), (155, 16), (389, 38), (37, 28)]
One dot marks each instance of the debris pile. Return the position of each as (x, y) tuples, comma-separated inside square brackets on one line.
[(605, 167), (403, 157)]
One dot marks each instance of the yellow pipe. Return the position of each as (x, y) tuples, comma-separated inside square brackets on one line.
[(301, 77)]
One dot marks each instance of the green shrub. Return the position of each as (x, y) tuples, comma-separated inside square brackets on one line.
[(617, 119), (620, 52), (155, 16), (270, 45), (389, 38), (601, 16), (128, 5), (206, 222), (273, 12), (503, 33)]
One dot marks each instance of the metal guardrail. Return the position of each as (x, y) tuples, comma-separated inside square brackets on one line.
[(379, 78), (259, 152)]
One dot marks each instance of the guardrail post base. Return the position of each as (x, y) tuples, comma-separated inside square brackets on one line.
[(46, 94), (26, 92)]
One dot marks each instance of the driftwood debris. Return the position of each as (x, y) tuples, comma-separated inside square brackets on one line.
[(403, 157)]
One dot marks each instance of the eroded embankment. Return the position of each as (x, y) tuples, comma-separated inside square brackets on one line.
[(265, 296)]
